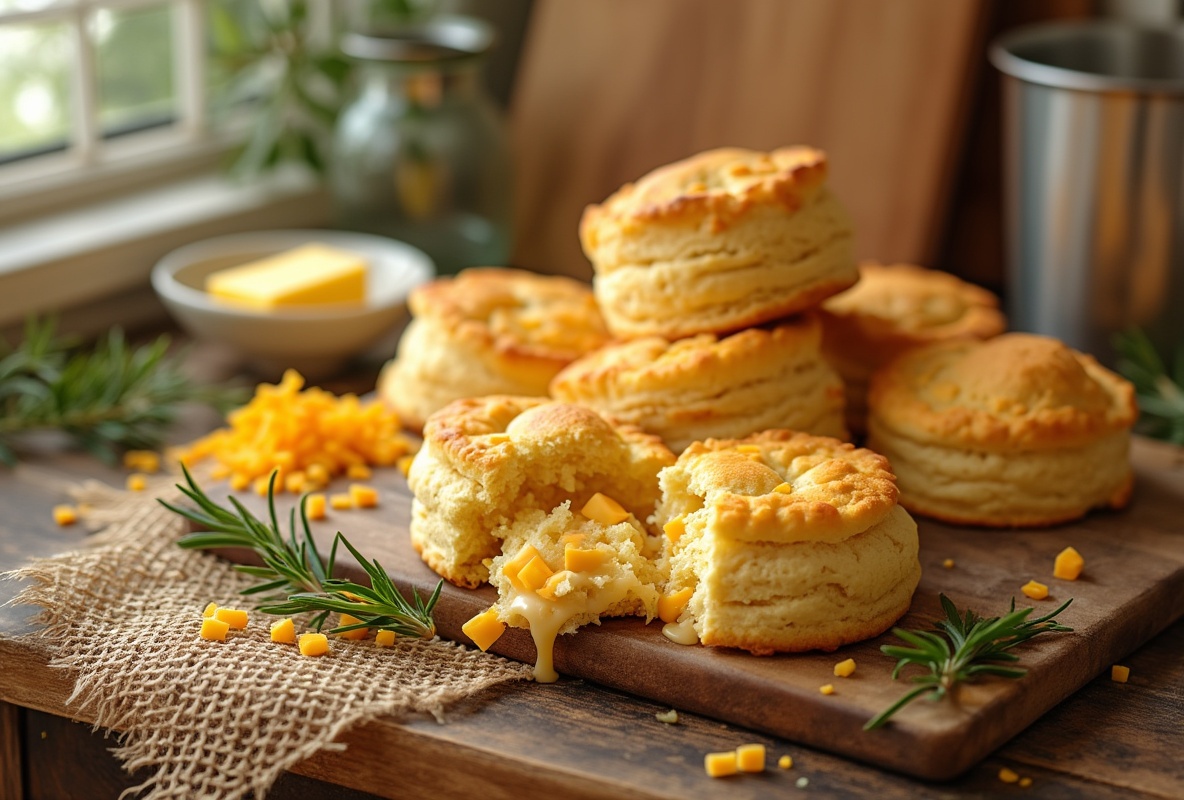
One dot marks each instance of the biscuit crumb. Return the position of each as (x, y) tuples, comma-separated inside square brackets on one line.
[(948, 563), (802, 782), (785, 762), (669, 717)]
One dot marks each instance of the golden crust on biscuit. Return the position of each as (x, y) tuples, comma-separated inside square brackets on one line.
[(1017, 391), (1017, 431), (721, 241), (486, 460), (788, 542), (488, 331), (718, 185), (785, 486), (710, 386)]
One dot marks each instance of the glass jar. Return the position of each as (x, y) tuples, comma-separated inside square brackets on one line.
[(420, 151)]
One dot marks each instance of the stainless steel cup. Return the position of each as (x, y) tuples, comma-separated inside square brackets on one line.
[(1094, 180)]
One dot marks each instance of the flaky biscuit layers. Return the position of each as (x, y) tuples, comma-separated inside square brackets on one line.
[(1017, 431), (723, 240), (709, 386), (897, 308), (790, 542), (488, 331), (486, 460)]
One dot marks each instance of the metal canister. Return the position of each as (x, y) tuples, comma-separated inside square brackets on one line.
[(1094, 180)]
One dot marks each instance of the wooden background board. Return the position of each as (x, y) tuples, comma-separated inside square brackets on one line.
[(1132, 588), (612, 89)]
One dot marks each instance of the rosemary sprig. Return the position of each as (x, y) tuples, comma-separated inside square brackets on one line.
[(1161, 398), (295, 579), (111, 398), (975, 646)]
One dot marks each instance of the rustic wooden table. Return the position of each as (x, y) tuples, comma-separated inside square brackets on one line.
[(571, 739)]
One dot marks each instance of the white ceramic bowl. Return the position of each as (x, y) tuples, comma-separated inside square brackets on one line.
[(315, 340)]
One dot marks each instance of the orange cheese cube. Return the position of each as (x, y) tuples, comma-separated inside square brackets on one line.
[(748, 449), (827, 688), (355, 635), (515, 565), (363, 496), (719, 765), (233, 617), (675, 528), (317, 473), (605, 510), (783, 488), (384, 638), (239, 481), (283, 631), (1119, 673), (294, 482), (358, 472), (548, 589), (535, 573), (313, 644), (136, 482), (671, 605), (315, 506), (750, 758), (65, 515), (1034, 590), (576, 539), (210, 610), (844, 669), (484, 629), (142, 460), (1068, 565), (341, 502), (785, 762), (214, 629), (578, 559)]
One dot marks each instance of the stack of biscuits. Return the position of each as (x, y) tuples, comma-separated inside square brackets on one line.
[(707, 270)]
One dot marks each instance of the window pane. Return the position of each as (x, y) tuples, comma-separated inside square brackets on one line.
[(34, 93), (135, 64), (27, 5)]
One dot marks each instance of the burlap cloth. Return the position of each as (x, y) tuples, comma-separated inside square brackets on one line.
[(215, 719)]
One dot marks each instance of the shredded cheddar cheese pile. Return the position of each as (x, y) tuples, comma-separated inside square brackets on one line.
[(309, 435)]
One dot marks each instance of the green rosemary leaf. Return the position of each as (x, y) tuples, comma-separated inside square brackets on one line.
[(109, 398), (976, 646), (294, 579)]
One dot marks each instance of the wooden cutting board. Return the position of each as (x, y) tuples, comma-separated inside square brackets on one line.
[(1132, 588)]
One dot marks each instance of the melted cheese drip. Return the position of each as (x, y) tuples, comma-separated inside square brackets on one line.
[(682, 632), (547, 617)]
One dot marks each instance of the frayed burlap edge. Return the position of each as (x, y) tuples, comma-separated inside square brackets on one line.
[(214, 719)]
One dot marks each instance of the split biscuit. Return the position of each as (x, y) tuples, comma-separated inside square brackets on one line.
[(710, 386), (790, 542), (488, 331), (485, 461), (721, 241), (1017, 431), (893, 309)]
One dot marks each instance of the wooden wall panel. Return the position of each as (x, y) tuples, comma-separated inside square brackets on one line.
[(610, 89)]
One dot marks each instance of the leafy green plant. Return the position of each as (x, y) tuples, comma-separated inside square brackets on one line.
[(971, 646), (1159, 392), (106, 399), (295, 579), (276, 59)]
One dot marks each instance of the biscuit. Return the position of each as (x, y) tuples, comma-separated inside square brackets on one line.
[(790, 542), (486, 460), (709, 386), (893, 309), (488, 331), (721, 241), (1017, 431)]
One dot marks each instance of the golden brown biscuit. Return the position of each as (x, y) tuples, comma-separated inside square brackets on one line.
[(710, 386), (484, 461), (790, 542), (488, 331), (893, 309), (1016, 431), (721, 241)]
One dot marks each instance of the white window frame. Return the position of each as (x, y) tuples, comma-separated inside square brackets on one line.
[(84, 224)]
